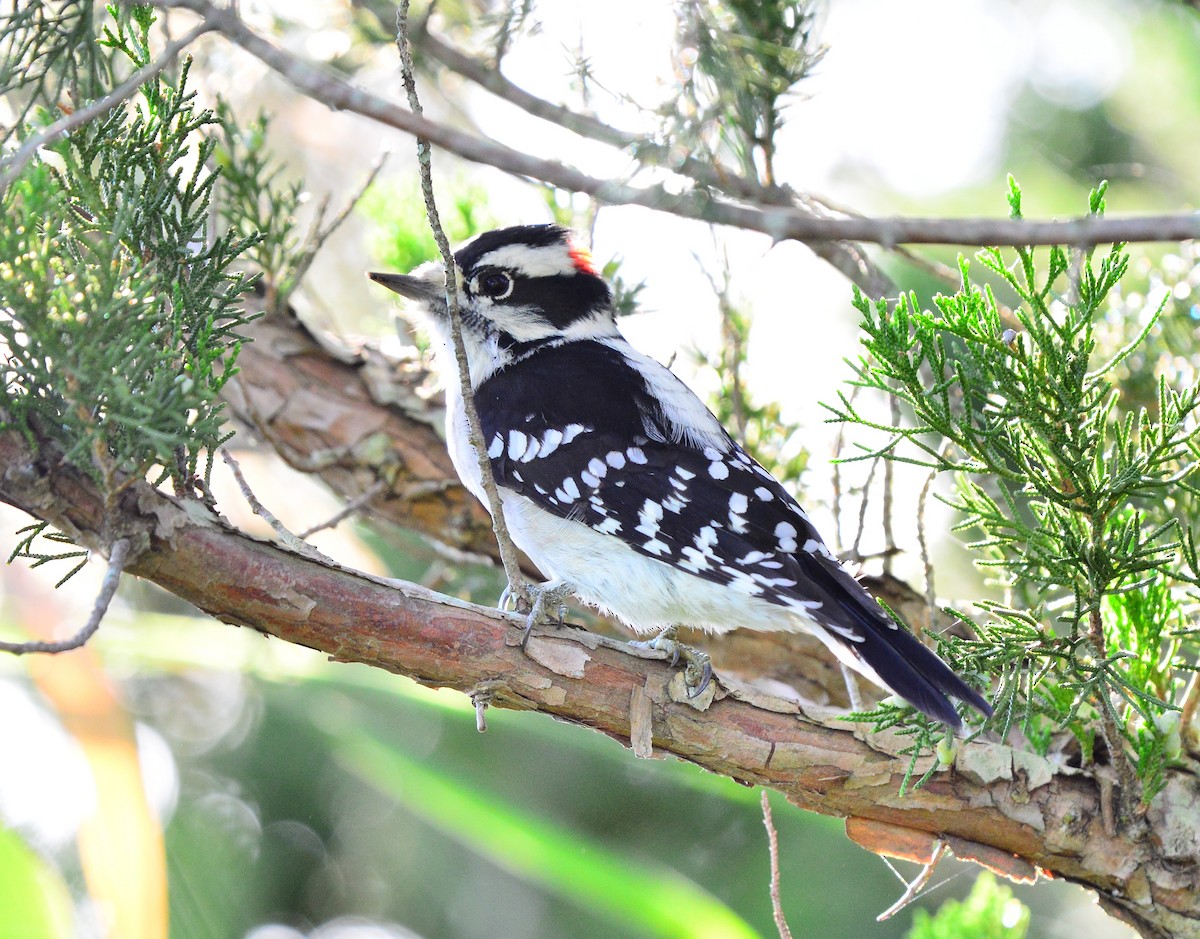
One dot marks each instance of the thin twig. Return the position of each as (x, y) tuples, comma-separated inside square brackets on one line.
[(773, 847), (14, 164), (359, 502), (117, 559), (916, 885), (862, 509), (508, 553), (839, 444), (923, 544), (889, 482), (1187, 714), (285, 535), (320, 233), (780, 222)]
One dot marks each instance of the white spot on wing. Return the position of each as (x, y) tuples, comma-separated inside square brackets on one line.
[(815, 546), (615, 459), (610, 526), (738, 502), (568, 491), (786, 533), (496, 447), (531, 451), (517, 442), (636, 455), (674, 504), (550, 441), (571, 431), (764, 493), (597, 468), (718, 470)]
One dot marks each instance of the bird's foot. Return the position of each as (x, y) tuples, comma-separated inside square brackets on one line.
[(697, 667), (550, 596)]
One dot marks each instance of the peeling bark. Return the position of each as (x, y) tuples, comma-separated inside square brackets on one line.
[(1006, 809)]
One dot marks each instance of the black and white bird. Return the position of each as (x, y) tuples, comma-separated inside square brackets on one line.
[(617, 481)]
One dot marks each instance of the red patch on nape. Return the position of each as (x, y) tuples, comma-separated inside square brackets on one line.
[(582, 259)]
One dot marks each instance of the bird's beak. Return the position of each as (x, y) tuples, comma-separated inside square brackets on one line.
[(415, 288)]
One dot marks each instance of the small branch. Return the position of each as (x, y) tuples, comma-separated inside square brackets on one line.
[(285, 535), (862, 509), (320, 233), (508, 553), (347, 510), (913, 889), (14, 164), (773, 848), (923, 543), (780, 222), (117, 559), (1187, 715), (889, 482)]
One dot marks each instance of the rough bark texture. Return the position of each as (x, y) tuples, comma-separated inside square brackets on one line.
[(1007, 809)]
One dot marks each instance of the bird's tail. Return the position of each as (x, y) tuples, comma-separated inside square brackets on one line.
[(892, 656)]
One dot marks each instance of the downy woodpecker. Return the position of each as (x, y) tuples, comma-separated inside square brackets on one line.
[(617, 481)]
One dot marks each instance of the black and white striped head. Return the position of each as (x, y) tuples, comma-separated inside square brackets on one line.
[(517, 286)]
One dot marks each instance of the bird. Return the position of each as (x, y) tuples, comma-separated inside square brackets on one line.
[(622, 486)]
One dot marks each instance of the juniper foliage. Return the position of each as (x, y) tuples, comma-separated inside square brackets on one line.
[(1072, 497), (122, 267)]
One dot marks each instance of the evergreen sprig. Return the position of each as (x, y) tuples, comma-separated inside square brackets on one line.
[(1064, 486), (119, 311), (739, 61)]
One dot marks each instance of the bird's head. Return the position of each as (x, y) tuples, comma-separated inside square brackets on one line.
[(517, 286)]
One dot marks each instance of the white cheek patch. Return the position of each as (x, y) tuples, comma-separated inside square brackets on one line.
[(523, 323), (542, 261)]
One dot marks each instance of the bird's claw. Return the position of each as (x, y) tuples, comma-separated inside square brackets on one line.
[(697, 668), (552, 595)]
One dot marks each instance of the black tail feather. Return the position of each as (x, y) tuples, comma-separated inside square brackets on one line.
[(914, 672), (895, 655)]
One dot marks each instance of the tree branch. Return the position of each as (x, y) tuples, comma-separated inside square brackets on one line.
[(996, 803), (15, 163), (780, 222), (117, 559)]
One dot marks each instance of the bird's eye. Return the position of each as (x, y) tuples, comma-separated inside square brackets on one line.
[(495, 284)]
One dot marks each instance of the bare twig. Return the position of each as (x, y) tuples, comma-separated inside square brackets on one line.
[(508, 553), (914, 887), (117, 559), (773, 848), (1114, 737), (923, 543), (347, 510), (862, 509), (780, 222), (13, 164), (320, 232), (1187, 714), (285, 535)]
